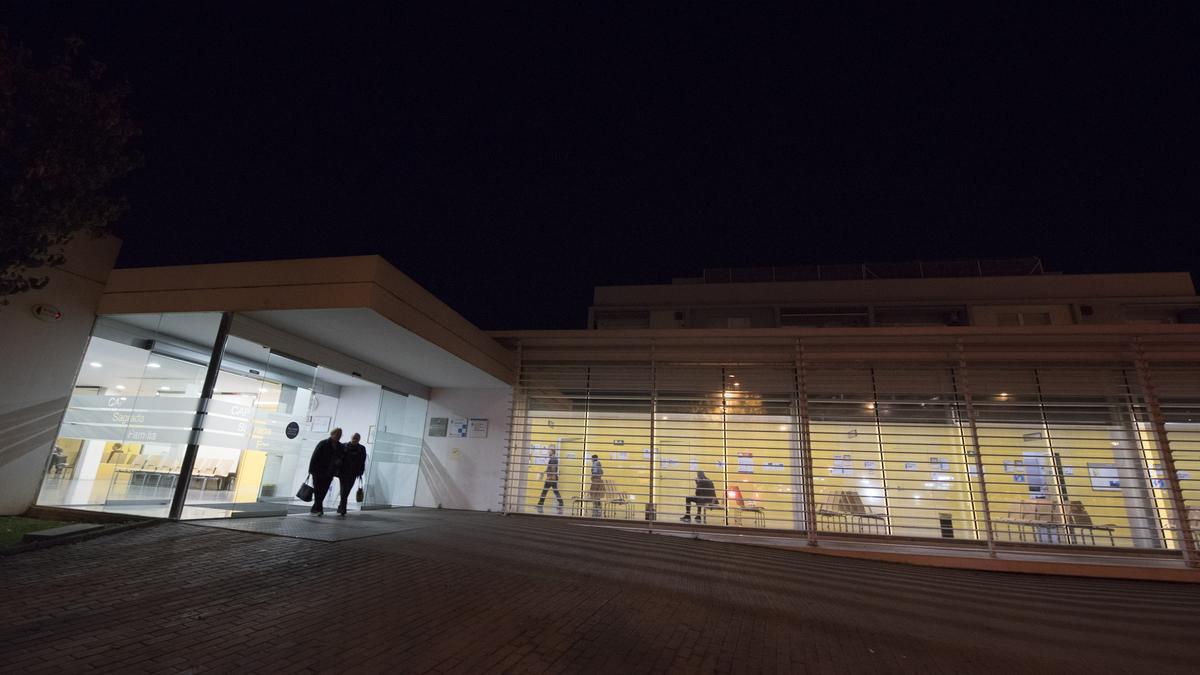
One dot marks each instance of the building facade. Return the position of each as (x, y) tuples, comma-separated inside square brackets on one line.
[(959, 293), (984, 411)]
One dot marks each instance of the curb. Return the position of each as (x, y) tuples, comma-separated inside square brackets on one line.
[(83, 536)]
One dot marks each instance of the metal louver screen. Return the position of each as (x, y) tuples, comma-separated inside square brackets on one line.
[(992, 449)]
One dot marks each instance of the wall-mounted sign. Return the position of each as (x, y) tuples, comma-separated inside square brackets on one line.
[(477, 428), (458, 427), (292, 430), (438, 426)]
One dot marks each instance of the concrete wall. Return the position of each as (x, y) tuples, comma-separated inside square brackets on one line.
[(465, 473), (40, 362)]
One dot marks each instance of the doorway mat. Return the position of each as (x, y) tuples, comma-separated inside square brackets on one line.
[(303, 526)]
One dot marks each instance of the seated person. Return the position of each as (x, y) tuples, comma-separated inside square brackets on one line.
[(58, 460), (706, 493)]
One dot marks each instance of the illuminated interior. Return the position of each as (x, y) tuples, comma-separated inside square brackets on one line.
[(1053, 454)]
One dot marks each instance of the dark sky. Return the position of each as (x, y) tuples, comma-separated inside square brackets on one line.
[(509, 159)]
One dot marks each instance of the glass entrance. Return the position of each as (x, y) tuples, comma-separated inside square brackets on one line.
[(394, 456)]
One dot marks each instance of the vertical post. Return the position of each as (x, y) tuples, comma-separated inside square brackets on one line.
[(970, 406), (652, 506), (887, 504), (515, 463), (206, 392), (807, 471), (1060, 484), (725, 394), (1187, 542)]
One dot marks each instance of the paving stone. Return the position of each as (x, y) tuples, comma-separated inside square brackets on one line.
[(456, 592)]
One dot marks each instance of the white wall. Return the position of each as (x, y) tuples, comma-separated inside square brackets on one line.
[(464, 473), (357, 410), (39, 362)]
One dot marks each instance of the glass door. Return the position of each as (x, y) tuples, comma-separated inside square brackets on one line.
[(395, 443)]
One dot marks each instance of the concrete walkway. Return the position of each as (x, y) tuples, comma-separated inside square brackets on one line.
[(469, 592)]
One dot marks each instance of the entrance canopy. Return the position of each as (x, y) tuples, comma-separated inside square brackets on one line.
[(358, 314)]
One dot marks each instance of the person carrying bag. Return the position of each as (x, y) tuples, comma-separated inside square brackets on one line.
[(305, 493), (354, 462)]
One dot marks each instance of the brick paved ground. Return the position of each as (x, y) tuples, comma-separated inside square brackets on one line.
[(482, 593)]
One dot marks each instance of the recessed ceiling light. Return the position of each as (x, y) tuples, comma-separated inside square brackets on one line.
[(153, 365), (121, 387), (96, 364), (164, 388)]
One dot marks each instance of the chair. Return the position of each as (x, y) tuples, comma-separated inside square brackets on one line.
[(845, 508), (1038, 515), (224, 471), (205, 470), (1079, 519), (614, 498)]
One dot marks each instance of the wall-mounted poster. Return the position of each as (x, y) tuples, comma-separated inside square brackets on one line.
[(478, 428), (458, 427), (438, 426), (1013, 466), (1104, 477), (320, 424), (841, 465), (939, 464), (745, 462)]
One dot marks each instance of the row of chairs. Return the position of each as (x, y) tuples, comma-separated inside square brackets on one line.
[(143, 468), (613, 503), (1041, 520)]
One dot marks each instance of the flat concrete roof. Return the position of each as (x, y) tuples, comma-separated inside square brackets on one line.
[(1144, 286), (360, 306)]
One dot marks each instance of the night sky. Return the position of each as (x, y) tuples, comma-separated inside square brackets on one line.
[(509, 159)]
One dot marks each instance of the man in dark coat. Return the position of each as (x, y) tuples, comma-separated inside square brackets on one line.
[(354, 462), (323, 466), (706, 495)]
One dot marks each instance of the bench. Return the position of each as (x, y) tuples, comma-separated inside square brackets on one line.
[(845, 511)]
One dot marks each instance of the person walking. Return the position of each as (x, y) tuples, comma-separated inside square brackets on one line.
[(354, 462), (706, 494), (550, 482), (596, 489), (323, 466)]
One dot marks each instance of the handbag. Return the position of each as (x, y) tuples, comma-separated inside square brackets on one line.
[(306, 491), (358, 494)]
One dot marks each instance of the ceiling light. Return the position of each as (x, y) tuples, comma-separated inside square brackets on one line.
[(96, 364), (164, 388), (1004, 394), (153, 365), (121, 387)]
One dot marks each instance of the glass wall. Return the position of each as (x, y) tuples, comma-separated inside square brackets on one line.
[(1065, 454), (131, 417)]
